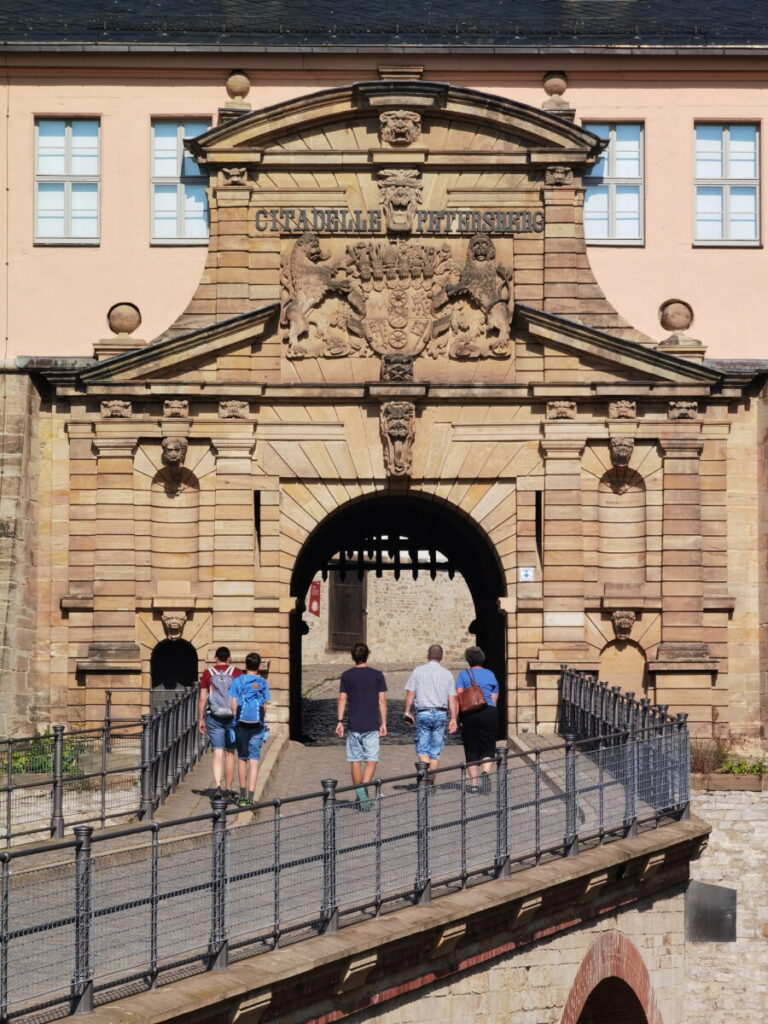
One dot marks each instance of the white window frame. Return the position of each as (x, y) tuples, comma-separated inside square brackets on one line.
[(726, 184), (67, 179), (611, 181), (179, 180)]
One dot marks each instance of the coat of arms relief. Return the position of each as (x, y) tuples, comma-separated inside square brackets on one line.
[(396, 295)]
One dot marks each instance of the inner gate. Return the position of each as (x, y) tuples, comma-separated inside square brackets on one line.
[(402, 535)]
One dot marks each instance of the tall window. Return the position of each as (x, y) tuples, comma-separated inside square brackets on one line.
[(727, 180), (179, 205), (613, 204), (67, 180)]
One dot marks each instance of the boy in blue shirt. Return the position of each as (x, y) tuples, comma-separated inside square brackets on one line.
[(249, 695)]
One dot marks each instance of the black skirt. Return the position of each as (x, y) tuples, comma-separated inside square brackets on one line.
[(479, 732)]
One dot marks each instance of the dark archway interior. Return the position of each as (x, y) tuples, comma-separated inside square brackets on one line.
[(612, 1002), (174, 667), (352, 540)]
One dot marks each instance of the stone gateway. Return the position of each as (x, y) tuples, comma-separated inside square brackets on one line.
[(397, 333)]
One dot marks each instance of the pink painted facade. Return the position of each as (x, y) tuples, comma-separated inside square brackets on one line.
[(55, 297)]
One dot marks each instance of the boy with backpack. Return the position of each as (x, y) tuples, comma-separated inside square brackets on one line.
[(249, 695), (214, 714)]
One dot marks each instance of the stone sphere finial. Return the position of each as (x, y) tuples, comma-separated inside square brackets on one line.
[(555, 84), (238, 85), (675, 315), (123, 318)]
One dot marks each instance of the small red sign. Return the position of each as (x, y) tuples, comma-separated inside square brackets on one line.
[(314, 598)]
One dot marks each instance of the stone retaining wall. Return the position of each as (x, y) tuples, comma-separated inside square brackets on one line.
[(727, 982)]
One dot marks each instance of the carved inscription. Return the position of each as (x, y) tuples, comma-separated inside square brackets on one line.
[(397, 423)]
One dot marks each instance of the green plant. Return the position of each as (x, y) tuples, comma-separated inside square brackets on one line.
[(708, 755), (35, 756), (743, 766)]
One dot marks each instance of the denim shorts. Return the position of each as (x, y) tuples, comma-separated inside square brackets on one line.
[(363, 746), (219, 732), (250, 739), (430, 733)]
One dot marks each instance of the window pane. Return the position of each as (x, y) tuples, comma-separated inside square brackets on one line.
[(85, 210), (50, 211), (627, 156), (596, 223), (742, 158), (50, 147), (627, 198), (165, 211), (190, 168), (165, 150), (195, 212), (85, 147), (709, 213), (709, 151), (601, 167), (742, 219)]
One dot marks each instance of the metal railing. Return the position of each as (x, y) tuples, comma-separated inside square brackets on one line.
[(100, 923), (51, 782)]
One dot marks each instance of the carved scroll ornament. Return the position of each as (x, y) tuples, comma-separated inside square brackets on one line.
[(400, 127), (396, 298), (397, 423)]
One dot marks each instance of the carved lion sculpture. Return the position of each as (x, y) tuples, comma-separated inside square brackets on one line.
[(491, 288), (305, 284)]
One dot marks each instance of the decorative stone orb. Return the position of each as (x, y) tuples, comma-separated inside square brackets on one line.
[(238, 85), (675, 315), (555, 83), (123, 318)]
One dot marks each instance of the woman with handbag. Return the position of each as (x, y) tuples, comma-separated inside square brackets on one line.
[(478, 692)]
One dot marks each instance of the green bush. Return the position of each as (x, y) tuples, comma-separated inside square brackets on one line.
[(742, 766), (35, 756)]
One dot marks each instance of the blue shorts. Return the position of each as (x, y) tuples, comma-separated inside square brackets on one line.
[(430, 733), (363, 746), (250, 739), (219, 733)]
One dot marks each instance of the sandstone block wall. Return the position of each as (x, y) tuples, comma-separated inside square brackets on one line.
[(404, 617), (727, 982), (531, 986), (23, 704)]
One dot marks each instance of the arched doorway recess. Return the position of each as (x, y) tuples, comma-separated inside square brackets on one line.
[(174, 668), (403, 533), (612, 1002)]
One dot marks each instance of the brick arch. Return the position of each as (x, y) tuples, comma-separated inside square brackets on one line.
[(611, 955)]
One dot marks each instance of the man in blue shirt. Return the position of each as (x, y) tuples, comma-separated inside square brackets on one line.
[(249, 695), (363, 692)]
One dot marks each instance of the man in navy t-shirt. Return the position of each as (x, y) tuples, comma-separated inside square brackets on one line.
[(362, 694)]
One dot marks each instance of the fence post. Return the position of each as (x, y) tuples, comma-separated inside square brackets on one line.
[(683, 766), (108, 720), (218, 947), (630, 783), (4, 924), (423, 876), (329, 914), (57, 811), (82, 982), (147, 805), (571, 831), (502, 814)]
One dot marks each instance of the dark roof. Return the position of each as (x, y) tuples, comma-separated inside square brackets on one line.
[(569, 26)]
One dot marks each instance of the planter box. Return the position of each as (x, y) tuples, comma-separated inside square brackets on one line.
[(717, 783)]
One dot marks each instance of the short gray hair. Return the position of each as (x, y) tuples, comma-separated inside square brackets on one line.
[(475, 656)]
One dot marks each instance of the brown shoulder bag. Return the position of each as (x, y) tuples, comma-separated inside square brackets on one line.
[(471, 698)]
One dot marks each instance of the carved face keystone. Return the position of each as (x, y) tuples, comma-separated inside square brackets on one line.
[(623, 622), (174, 450), (400, 195), (400, 127), (621, 450)]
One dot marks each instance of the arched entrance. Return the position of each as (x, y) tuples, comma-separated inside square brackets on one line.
[(612, 1002), (403, 533), (174, 667)]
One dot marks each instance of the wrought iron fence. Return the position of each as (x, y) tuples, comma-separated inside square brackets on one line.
[(87, 928), (67, 777)]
